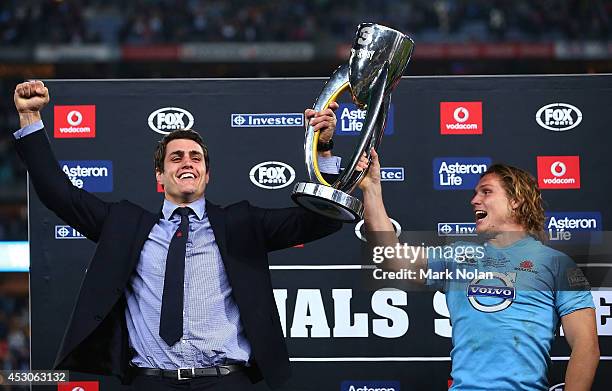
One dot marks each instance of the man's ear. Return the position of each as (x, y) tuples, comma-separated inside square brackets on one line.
[(514, 204), (158, 176), (207, 177)]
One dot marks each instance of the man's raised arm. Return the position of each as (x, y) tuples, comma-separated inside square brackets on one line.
[(380, 232), (82, 210)]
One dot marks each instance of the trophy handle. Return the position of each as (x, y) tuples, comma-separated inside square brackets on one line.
[(337, 84), (371, 136)]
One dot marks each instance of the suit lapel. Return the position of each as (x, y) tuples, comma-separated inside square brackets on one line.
[(148, 220), (217, 218)]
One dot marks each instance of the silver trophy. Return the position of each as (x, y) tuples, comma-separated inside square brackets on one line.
[(378, 58)]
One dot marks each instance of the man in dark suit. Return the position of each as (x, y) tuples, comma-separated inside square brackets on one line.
[(178, 300)]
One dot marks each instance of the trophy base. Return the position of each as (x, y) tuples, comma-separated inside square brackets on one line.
[(328, 201)]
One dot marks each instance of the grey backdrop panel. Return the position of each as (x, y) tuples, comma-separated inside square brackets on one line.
[(511, 135)]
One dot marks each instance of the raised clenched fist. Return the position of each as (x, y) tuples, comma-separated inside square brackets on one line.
[(31, 96)]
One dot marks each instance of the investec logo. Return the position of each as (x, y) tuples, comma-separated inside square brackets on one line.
[(559, 117), (351, 120), (558, 172), (560, 225), (460, 117), (454, 173), (67, 232), (272, 175), (267, 120), (90, 175), (167, 119), (392, 174), (370, 385), (456, 229), (74, 121)]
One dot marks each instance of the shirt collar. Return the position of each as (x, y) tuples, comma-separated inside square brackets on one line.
[(198, 207)]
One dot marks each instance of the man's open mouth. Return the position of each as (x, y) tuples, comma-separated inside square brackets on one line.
[(480, 214)]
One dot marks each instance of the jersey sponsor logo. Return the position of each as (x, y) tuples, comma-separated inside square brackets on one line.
[(455, 173), (558, 172), (457, 229), (394, 174), (272, 175), (358, 229), (370, 385), (559, 117), (90, 175), (351, 120), (167, 119), (460, 118), (557, 387), (492, 298), (74, 121), (267, 120), (67, 232)]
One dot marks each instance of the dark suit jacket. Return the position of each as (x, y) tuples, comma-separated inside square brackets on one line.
[(96, 337)]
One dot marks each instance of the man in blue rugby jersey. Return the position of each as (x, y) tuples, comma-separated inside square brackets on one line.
[(503, 323)]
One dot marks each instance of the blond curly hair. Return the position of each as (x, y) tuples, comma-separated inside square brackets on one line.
[(522, 187)]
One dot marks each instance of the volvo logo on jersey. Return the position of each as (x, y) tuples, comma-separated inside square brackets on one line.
[(492, 295), (351, 120), (91, 175), (455, 173)]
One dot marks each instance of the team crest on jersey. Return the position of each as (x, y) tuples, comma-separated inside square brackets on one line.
[(493, 295), (526, 266)]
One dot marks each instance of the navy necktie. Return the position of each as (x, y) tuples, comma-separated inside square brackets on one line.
[(171, 320)]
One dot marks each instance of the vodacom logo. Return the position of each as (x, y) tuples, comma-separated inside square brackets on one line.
[(558, 169), (461, 114), (461, 117), (74, 118)]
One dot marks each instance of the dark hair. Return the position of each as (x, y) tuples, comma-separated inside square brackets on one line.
[(522, 187), (189, 134)]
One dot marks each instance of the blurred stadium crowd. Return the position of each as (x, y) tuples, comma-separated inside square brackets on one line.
[(14, 334), (170, 21)]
